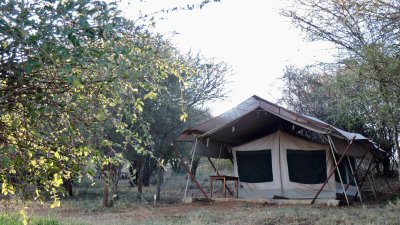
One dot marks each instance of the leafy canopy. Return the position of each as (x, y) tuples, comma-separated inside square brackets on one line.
[(67, 69)]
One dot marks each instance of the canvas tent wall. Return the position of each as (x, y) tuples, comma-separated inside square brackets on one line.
[(257, 120), (281, 164), (285, 165)]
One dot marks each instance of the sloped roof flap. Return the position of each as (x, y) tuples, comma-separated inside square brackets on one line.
[(229, 118), (256, 117)]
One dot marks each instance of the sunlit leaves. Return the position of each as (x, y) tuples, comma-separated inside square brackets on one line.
[(75, 80), (151, 95), (184, 117), (6, 188)]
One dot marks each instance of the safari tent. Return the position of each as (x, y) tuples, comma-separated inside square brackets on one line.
[(278, 153)]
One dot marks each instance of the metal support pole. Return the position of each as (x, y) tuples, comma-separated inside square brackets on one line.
[(333, 149), (372, 185), (390, 187), (363, 179), (354, 174), (333, 170), (189, 172), (190, 167)]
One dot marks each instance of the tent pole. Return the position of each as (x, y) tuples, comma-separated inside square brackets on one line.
[(365, 176), (333, 171), (390, 187), (188, 170), (215, 169), (373, 182), (354, 175), (372, 185), (333, 149), (280, 166)]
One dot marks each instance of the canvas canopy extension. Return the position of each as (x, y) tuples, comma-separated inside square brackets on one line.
[(277, 152)]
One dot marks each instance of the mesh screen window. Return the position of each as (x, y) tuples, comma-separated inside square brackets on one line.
[(254, 166), (306, 167)]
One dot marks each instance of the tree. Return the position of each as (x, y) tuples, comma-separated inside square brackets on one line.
[(205, 81), (66, 67), (367, 34), (338, 96)]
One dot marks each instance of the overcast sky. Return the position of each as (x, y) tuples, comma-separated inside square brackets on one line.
[(248, 35)]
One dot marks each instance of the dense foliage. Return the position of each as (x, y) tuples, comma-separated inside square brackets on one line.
[(75, 79), (361, 92)]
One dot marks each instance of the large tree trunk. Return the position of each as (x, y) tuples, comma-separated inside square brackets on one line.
[(114, 190), (140, 176), (67, 183), (146, 171), (160, 180), (114, 177), (105, 195)]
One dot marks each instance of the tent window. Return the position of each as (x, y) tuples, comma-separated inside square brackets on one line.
[(306, 167), (254, 166)]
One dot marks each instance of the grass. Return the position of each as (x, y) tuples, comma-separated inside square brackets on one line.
[(15, 219), (245, 214), (85, 208), (286, 215)]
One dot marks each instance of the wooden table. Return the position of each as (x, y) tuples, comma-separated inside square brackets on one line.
[(224, 179)]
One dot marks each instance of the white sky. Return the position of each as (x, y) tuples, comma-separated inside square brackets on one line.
[(249, 35)]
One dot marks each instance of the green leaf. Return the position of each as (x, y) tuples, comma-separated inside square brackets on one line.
[(151, 95)]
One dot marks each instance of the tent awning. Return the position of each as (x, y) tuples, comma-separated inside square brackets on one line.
[(255, 118)]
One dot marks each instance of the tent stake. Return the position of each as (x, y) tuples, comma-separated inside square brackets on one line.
[(333, 171), (189, 172), (215, 169)]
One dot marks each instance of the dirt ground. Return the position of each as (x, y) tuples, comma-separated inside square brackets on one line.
[(85, 209), (141, 213), (229, 213)]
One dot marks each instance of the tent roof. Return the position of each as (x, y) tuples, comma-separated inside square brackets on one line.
[(257, 117)]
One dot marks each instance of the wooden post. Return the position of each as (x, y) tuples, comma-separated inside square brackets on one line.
[(334, 169), (212, 164), (189, 172)]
